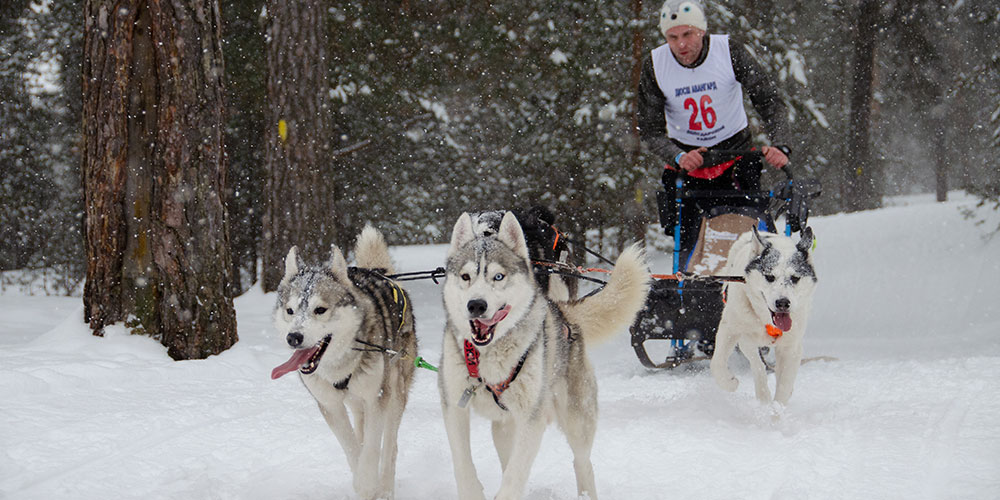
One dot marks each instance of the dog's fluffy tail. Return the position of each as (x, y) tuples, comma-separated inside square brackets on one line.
[(611, 310), (371, 251)]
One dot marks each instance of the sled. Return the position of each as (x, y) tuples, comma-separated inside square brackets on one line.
[(683, 309)]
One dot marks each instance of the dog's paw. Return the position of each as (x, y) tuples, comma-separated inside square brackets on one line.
[(366, 488), (763, 394), (472, 491), (727, 382), (723, 377), (502, 495), (472, 496), (383, 494)]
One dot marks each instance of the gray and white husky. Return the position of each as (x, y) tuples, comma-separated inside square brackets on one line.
[(333, 315), (518, 358), (770, 309)]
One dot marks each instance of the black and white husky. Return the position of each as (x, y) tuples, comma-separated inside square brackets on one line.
[(518, 358), (770, 309), (332, 316)]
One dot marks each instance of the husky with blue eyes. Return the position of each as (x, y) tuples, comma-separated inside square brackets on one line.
[(769, 309), (351, 331), (518, 358)]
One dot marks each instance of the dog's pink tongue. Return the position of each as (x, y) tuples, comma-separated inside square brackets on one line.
[(298, 359), (483, 326), (499, 315), (782, 320)]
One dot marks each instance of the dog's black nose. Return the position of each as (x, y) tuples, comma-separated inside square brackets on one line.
[(477, 307), (782, 304), (294, 339)]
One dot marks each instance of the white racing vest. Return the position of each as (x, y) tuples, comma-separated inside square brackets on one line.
[(704, 104)]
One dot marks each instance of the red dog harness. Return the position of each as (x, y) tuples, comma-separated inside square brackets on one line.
[(472, 364)]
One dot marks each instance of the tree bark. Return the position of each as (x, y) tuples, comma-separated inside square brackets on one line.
[(299, 207), (154, 172), (859, 190), (635, 75), (636, 221), (940, 146)]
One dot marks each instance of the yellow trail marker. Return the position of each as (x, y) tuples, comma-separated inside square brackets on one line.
[(283, 130)]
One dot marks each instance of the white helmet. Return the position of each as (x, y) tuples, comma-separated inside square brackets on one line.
[(680, 13)]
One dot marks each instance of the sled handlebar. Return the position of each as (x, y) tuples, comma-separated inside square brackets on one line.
[(808, 188), (716, 156)]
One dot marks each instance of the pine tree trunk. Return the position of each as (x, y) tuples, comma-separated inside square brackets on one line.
[(243, 46), (940, 144), (636, 74), (859, 190), (154, 173), (637, 221), (299, 208)]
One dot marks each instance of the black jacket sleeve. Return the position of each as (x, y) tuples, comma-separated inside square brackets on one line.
[(652, 119), (763, 93)]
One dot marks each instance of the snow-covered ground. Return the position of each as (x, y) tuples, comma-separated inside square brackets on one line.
[(910, 409)]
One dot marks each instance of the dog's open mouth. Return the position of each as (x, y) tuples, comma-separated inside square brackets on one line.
[(482, 330), (304, 360), (782, 320)]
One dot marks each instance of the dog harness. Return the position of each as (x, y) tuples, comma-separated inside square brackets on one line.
[(398, 295), (472, 365), (342, 385)]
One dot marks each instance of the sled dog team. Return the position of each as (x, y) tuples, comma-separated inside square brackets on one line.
[(511, 352)]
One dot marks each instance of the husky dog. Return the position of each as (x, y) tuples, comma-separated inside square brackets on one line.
[(343, 322), (518, 358), (770, 309), (544, 242)]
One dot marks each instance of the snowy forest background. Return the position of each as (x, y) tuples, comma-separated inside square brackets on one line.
[(414, 111)]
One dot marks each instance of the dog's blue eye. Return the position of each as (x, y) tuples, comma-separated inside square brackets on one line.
[(687, 9), (498, 277), (769, 278), (289, 311), (466, 277), (319, 310)]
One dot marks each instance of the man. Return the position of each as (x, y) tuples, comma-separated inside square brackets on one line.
[(691, 99)]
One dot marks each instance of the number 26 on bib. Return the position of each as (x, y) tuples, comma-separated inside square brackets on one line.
[(701, 113)]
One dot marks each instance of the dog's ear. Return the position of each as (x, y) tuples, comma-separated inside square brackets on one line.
[(758, 241), (805, 243), (338, 264), (292, 263), (543, 214), (463, 232), (510, 234)]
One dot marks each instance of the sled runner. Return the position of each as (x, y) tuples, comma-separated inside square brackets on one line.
[(683, 309)]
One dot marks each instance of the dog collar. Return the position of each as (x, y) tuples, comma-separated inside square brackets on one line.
[(773, 331)]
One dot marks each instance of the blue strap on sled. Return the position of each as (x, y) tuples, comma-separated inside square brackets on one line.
[(679, 184), (678, 345)]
